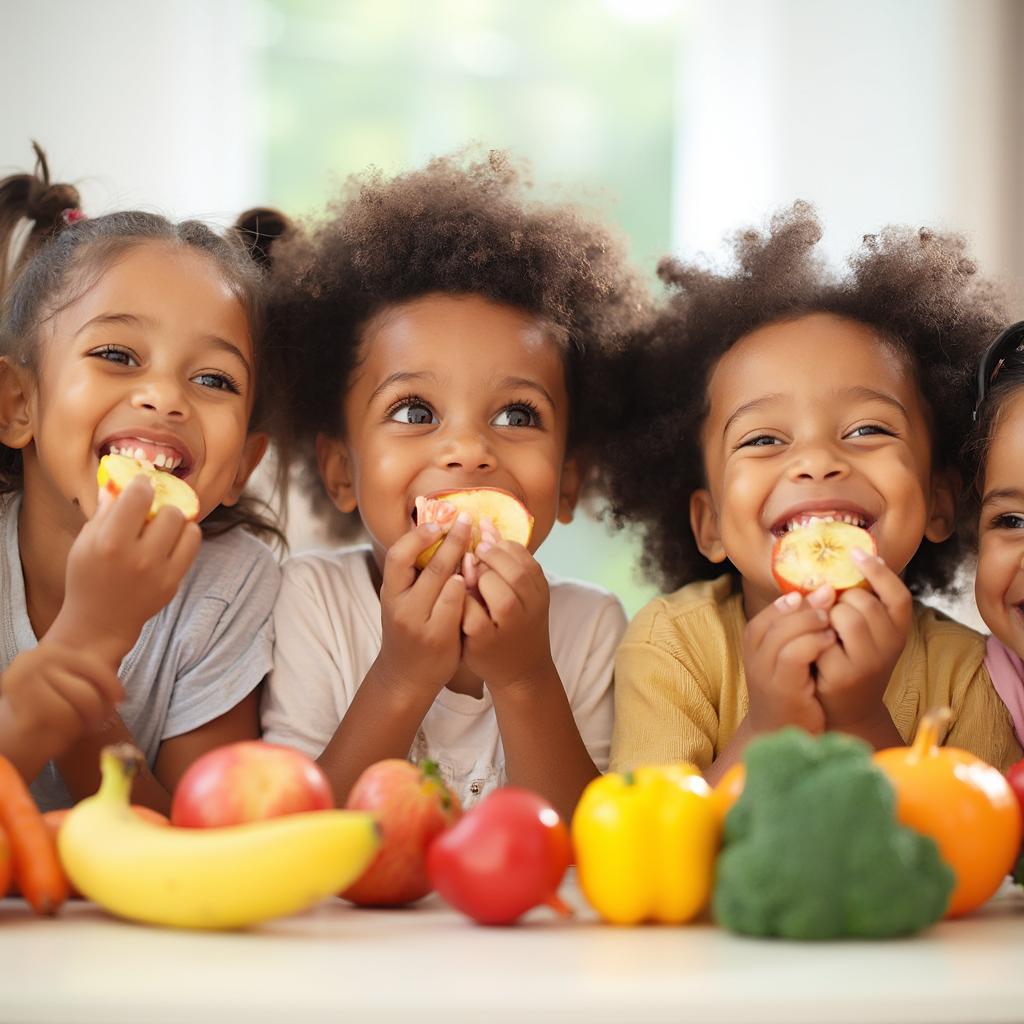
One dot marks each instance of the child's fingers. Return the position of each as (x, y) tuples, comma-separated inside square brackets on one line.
[(443, 565), (806, 649), (891, 590), (475, 620), (470, 570), (400, 561), (127, 515), (498, 595), (765, 619), (787, 628), (448, 608), (516, 566), (162, 533)]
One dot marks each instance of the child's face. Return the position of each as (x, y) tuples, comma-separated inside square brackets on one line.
[(156, 356), (999, 585), (452, 391), (814, 416)]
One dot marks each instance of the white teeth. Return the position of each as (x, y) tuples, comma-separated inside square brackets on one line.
[(159, 460), (140, 454)]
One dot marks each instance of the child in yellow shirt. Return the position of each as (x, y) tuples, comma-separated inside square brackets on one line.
[(768, 395)]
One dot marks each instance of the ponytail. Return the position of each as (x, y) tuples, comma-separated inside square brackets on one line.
[(32, 209)]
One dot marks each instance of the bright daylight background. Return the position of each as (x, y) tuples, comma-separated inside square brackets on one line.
[(679, 120)]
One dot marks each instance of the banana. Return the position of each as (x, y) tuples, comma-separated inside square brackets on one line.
[(206, 878)]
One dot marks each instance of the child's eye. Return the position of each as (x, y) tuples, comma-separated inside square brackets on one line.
[(761, 441), (868, 430), (218, 381), (519, 414), (1008, 521), (413, 411), (114, 354)]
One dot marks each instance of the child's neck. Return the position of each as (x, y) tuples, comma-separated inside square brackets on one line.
[(43, 545)]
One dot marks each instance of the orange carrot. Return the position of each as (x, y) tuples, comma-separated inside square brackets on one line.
[(5, 863), (36, 865)]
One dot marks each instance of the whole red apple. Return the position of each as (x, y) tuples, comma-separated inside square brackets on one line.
[(506, 855), (248, 781), (412, 806)]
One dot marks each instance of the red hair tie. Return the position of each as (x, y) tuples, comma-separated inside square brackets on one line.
[(71, 215)]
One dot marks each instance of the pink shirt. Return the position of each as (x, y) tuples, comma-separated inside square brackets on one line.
[(1007, 672)]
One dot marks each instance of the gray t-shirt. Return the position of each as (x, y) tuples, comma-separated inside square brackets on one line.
[(194, 660)]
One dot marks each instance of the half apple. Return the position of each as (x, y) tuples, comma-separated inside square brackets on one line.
[(819, 554), (510, 517), (116, 472)]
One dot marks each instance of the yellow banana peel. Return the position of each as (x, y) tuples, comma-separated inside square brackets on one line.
[(206, 878)]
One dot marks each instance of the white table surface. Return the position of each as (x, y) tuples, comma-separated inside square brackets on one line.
[(429, 964)]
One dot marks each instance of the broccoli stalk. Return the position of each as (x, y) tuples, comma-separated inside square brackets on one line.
[(813, 849)]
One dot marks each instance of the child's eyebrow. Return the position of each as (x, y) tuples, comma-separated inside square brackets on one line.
[(400, 377), (750, 406), (122, 319), (878, 396), (513, 383), (1003, 494)]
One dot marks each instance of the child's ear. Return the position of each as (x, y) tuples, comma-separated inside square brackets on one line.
[(945, 496), (573, 473), (15, 405), (704, 524), (335, 467), (253, 451)]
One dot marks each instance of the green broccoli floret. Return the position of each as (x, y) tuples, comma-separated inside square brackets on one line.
[(813, 849)]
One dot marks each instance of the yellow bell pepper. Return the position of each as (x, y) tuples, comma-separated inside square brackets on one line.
[(646, 843)]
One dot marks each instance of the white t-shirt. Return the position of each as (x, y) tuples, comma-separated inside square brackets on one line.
[(194, 660), (328, 628)]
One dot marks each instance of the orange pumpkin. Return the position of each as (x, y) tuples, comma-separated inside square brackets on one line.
[(5, 863), (964, 804), (729, 788)]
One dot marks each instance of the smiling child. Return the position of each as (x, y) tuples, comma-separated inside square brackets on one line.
[(805, 396), (447, 328)]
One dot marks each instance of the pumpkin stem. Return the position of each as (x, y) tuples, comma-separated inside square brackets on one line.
[(926, 740)]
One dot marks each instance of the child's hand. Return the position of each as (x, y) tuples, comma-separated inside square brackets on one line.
[(421, 645), (780, 644), (871, 626), (506, 626), (122, 570), (53, 694)]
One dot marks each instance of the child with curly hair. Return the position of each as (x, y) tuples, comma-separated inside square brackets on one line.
[(994, 513), (447, 329), (766, 396)]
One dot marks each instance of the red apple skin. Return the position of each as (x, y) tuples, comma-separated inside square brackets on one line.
[(248, 781), (412, 806)]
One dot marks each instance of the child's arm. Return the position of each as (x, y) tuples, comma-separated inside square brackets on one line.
[(853, 674), (508, 646), (48, 696), (421, 647)]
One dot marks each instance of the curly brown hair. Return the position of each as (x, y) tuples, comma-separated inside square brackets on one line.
[(918, 289), (460, 225)]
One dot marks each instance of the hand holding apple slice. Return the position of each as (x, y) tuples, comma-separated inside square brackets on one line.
[(493, 511), (818, 554), (116, 472)]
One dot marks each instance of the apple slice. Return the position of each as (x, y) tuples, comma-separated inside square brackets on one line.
[(116, 472), (811, 556), (509, 515)]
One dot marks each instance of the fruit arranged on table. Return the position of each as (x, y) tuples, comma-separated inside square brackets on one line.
[(964, 804), (505, 856), (116, 472), (227, 877), (493, 511), (412, 806), (248, 781), (34, 862), (818, 552), (729, 788), (646, 843), (813, 848)]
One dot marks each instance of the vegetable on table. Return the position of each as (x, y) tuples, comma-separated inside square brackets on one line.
[(813, 849), (645, 844)]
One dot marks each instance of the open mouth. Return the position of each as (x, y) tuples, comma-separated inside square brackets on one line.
[(169, 458), (783, 526)]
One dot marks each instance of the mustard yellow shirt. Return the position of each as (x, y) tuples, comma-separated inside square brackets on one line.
[(681, 692)]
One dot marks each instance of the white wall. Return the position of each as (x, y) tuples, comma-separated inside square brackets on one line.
[(139, 102), (879, 111)]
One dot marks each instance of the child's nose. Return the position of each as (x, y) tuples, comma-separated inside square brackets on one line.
[(160, 395), (818, 462), (468, 449)]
